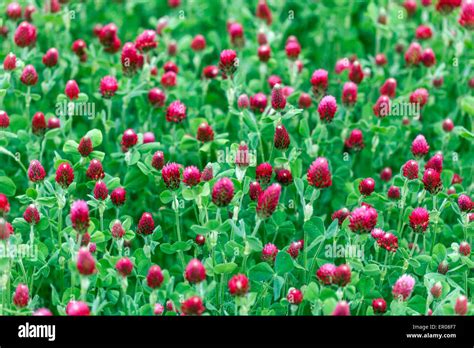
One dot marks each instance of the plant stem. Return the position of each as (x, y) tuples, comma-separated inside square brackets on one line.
[(257, 225)]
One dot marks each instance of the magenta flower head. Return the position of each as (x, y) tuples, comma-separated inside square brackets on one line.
[(366, 186), (95, 171), (85, 146), (195, 272), (205, 133), (131, 59), (263, 173), (379, 306), (117, 230), (293, 49), (349, 94), (319, 82), (146, 225), (432, 181), (158, 160), (363, 219), (29, 76), (118, 196), (327, 108), (294, 296), (101, 191), (223, 192), (148, 137), (410, 170), (72, 90), (264, 52), (386, 174), (465, 203), (466, 17), (342, 275), (393, 192), (156, 97), (25, 35), (389, 87), (171, 175), (108, 86), (268, 201), (191, 176), (154, 278), (242, 157), (50, 58), (22, 296), (129, 139), (435, 162), (278, 99), (239, 285), (419, 96), (176, 112), (388, 241), (4, 204), (36, 172), (263, 11), (243, 102), (77, 308), (6, 229), (254, 190), (382, 106), (14, 10), (193, 306), (342, 309), (283, 176), (304, 102), (403, 287), (356, 74), (428, 57), (198, 43), (54, 122), (355, 141), (319, 174), (447, 6), (461, 305), (419, 146), (9, 63), (124, 266), (340, 215), (419, 219), (38, 123), (146, 41), (85, 262), (207, 173), (228, 62), (413, 54), (258, 102), (31, 215), (281, 139), (325, 273), (269, 252), (80, 216), (42, 312), (274, 80)]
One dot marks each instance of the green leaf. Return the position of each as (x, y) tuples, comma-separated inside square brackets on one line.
[(135, 179), (261, 272), (228, 267), (166, 196), (96, 137), (7, 186), (283, 263), (278, 283)]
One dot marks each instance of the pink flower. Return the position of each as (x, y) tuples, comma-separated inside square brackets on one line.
[(223, 192), (327, 108), (124, 266), (403, 287), (36, 172), (419, 219), (281, 139), (193, 306), (419, 146), (85, 262), (319, 81), (269, 252), (325, 273), (176, 112), (239, 285), (191, 176), (77, 308), (146, 225), (80, 216), (154, 277), (319, 174), (21, 296), (363, 219), (195, 272), (268, 201), (171, 175)]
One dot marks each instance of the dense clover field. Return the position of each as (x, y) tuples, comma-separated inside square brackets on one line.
[(237, 157)]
